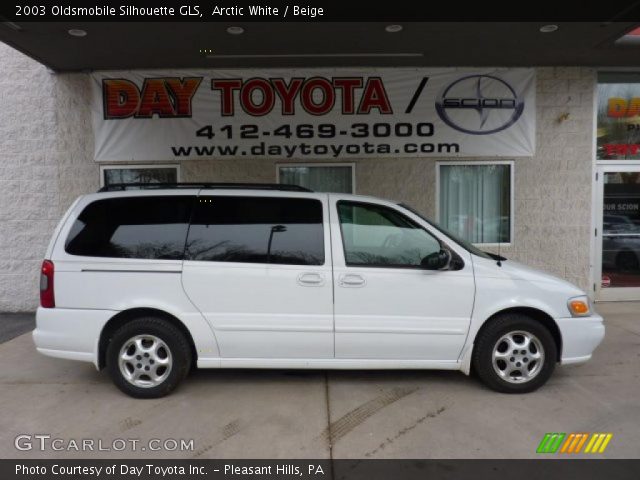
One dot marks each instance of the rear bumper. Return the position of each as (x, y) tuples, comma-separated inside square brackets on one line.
[(580, 337), (70, 333)]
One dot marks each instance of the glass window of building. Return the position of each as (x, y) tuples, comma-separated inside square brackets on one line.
[(139, 174), (475, 201), (331, 178)]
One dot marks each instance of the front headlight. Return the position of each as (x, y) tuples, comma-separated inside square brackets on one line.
[(579, 306)]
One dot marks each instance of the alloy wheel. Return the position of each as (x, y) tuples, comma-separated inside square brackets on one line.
[(145, 361), (518, 357)]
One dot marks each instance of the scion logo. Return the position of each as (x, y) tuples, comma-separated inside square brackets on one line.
[(496, 102)]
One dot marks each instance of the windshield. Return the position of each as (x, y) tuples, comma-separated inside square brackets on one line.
[(463, 243)]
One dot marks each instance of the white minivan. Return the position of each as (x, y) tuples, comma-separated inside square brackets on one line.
[(152, 281)]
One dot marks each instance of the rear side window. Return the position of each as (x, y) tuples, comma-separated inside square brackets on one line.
[(257, 230), (133, 227)]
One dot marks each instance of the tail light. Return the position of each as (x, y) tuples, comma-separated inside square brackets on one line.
[(47, 299)]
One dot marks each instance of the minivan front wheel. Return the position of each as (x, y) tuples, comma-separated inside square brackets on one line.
[(147, 357), (514, 354)]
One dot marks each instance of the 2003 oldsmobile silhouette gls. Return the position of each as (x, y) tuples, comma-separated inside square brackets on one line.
[(148, 283)]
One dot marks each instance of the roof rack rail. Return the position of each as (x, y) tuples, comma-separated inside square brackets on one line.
[(120, 187)]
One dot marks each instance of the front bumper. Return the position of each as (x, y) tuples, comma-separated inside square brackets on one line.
[(580, 337)]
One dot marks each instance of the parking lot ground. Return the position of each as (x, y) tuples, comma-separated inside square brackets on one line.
[(335, 414), (13, 325)]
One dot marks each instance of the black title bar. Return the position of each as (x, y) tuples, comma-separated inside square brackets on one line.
[(318, 11), (544, 469)]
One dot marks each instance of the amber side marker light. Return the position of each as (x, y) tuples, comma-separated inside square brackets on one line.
[(579, 307)]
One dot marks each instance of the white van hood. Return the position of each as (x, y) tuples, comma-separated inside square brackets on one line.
[(518, 271)]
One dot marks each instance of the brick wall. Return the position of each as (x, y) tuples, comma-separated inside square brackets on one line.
[(46, 149), (46, 161)]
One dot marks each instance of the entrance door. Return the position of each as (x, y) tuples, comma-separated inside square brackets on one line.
[(618, 233)]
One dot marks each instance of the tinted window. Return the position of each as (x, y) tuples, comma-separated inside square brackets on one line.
[(374, 235), (257, 230), (134, 227)]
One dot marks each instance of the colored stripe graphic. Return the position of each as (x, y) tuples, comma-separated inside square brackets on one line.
[(542, 447), (569, 442), (573, 442), (598, 443), (550, 443), (581, 443)]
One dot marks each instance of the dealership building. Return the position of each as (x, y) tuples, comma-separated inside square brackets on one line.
[(531, 150)]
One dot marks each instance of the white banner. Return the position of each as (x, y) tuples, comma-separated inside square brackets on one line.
[(313, 113)]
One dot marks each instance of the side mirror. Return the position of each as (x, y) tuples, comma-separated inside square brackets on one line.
[(436, 260)]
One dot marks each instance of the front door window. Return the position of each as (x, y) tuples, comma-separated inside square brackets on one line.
[(377, 236)]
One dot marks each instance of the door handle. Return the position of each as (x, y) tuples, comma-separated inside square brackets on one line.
[(310, 279), (352, 280)]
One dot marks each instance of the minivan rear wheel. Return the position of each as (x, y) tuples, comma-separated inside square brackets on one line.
[(148, 357), (514, 354)]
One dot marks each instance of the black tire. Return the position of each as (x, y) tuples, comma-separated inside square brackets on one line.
[(179, 355), (486, 342)]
